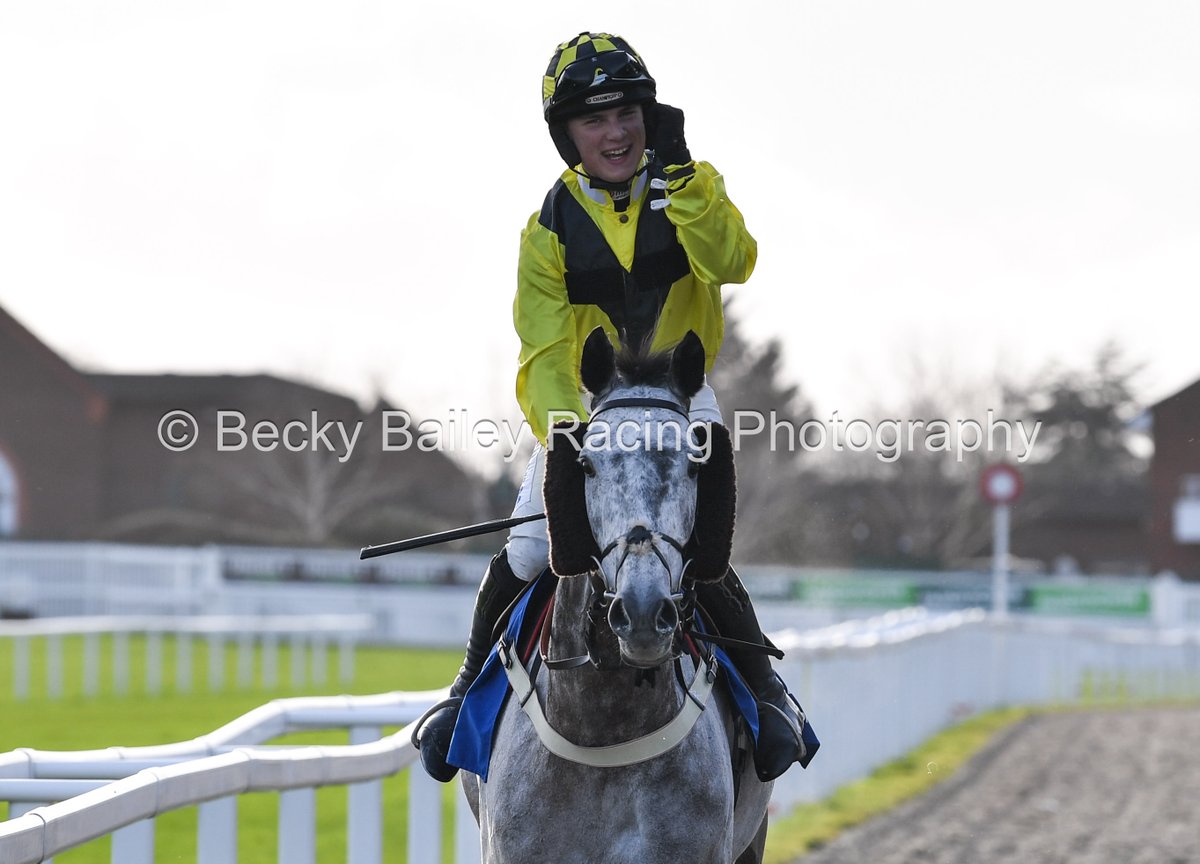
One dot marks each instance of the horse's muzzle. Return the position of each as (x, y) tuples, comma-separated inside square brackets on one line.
[(645, 631)]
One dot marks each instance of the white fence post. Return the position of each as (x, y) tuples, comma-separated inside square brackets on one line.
[(299, 660), (216, 662), (54, 666), (121, 663), (91, 664), (183, 662), (216, 832), (20, 667), (245, 660), (1167, 600), (466, 832), (270, 661), (424, 817), (346, 648), (93, 583), (154, 666), (320, 660), (133, 844), (298, 826), (364, 810)]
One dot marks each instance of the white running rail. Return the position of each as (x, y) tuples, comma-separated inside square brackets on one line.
[(309, 638), (877, 688), (61, 800)]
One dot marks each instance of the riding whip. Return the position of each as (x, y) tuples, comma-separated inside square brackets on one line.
[(446, 536)]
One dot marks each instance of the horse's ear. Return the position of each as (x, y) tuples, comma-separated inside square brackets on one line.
[(687, 365), (711, 543), (598, 364), (571, 542)]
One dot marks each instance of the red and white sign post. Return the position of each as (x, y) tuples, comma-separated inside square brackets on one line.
[(1001, 485)]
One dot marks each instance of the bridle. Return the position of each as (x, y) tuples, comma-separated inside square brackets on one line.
[(603, 584), (636, 536)]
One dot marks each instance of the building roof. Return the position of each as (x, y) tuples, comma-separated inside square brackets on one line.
[(173, 388), (47, 356), (1190, 391)]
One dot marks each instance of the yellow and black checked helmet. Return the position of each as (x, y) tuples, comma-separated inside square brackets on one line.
[(593, 70), (590, 72)]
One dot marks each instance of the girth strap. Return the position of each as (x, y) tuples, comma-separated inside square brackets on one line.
[(640, 749)]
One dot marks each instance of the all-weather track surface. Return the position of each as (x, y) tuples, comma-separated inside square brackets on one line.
[(1095, 787)]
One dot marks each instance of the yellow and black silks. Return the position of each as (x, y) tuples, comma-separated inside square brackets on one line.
[(584, 265)]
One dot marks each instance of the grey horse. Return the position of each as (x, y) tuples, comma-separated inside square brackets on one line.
[(621, 504)]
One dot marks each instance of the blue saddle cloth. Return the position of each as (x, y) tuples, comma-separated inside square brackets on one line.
[(471, 745)]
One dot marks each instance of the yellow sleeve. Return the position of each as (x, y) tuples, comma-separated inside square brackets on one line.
[(548, 374), (711, 228)]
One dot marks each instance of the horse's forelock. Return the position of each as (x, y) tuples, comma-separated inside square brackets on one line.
[(639, 366)]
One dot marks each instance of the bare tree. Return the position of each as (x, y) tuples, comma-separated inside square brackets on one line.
[(772, 523)]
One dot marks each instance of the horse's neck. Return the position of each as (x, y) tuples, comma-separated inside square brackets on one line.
[(595, 708)]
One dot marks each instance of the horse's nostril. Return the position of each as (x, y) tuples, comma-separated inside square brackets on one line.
[(639, 534), (668, 617), (618, 618)]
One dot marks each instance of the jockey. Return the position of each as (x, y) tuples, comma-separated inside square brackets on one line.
[(635, 237)]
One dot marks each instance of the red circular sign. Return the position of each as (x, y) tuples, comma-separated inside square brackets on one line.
[(1001, 484)]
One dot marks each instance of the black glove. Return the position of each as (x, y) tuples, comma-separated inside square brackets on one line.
[(667, 139)]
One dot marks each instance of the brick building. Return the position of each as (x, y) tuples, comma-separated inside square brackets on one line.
[(1096, 526), (80, 458), (51, 422), (1175, 484)]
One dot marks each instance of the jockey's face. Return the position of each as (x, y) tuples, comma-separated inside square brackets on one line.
[(610, 142)]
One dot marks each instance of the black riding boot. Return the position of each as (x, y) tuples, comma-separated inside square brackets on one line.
[(499, 588), (780, 718)]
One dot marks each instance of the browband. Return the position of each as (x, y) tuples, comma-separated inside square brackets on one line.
[(641, 402)]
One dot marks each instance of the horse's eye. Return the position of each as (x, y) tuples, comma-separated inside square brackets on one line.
[(586, 464)]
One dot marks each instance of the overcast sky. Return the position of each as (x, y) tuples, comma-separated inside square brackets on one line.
[(335, 191)]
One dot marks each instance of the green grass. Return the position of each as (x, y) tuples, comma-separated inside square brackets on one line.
[(78, 722), (812, 825)]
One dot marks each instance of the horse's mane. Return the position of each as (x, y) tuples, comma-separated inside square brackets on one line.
[(639, 365)]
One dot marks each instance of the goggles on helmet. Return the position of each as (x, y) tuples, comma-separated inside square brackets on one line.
[(599, 70)]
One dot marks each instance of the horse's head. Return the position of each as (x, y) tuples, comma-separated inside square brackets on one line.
[(622, 496)]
